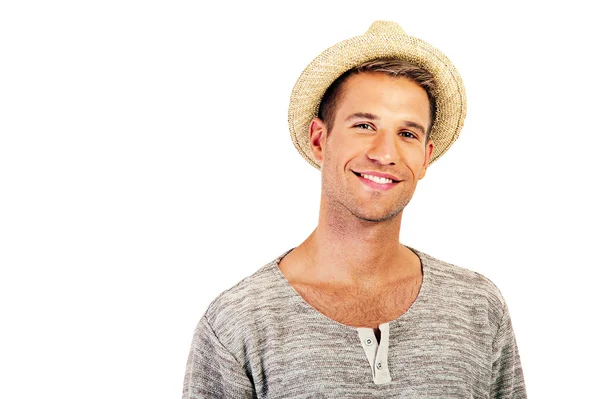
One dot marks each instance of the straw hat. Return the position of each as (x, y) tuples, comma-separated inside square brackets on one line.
[(383, 40)]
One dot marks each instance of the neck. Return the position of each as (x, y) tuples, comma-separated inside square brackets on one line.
[(347, 250)]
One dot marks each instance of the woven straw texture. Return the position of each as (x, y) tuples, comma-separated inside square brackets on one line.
[(383, 40)]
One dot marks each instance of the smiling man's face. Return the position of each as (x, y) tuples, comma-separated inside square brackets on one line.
[(379, 129)]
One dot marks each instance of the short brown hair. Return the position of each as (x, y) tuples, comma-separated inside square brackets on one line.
[(394, 67)]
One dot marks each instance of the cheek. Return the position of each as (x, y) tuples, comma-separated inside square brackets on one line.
[(341, 149), (353, 146), (414, 157)]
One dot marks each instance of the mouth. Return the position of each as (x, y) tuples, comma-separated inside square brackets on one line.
[(376, 182)]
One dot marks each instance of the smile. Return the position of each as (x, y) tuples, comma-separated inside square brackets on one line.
[(377, 179), (376, 182)]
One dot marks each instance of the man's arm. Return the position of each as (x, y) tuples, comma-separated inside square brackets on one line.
[(507, 374), (212, 371)]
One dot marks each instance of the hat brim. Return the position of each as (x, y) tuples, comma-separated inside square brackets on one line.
[(310, 87)]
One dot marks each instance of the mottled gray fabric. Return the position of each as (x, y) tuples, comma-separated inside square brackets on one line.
[(261, 339)]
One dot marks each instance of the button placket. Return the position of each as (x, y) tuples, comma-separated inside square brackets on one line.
[(369, 344), (381, 372), (376, 353)]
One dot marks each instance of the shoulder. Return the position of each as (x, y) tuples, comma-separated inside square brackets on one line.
[(240, 305), (462, 287)]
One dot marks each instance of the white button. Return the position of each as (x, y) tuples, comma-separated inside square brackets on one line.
[(368, 341), (379, 365)]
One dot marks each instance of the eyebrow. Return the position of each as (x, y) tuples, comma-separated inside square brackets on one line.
[(415, 125), (367, 115), (364, 115)]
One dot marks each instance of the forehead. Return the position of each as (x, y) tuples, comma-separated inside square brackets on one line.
[(378, 92)]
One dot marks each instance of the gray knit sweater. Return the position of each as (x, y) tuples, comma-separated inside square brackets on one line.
[(261, 339)]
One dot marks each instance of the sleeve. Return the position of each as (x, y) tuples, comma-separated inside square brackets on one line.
[(507, 374), (212, 371)]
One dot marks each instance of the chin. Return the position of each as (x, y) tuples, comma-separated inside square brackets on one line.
[(378, 216)]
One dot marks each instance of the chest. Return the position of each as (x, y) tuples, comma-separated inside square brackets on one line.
[(361, 307)]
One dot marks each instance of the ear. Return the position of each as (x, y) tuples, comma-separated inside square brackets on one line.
[(317, 135), (428, 153)]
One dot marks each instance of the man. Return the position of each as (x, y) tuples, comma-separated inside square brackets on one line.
[(351, 312)]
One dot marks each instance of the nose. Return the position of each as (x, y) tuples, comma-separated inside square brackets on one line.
[(383, 148)]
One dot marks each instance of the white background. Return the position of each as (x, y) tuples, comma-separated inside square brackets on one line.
[(146, 166)]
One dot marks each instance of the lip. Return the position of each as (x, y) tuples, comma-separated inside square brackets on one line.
[(378, 174), (375, 185)]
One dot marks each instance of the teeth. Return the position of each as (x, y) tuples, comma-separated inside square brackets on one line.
[(377, 179)]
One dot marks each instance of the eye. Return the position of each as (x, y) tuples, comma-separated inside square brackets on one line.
[(364, 126), (408, 134)]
